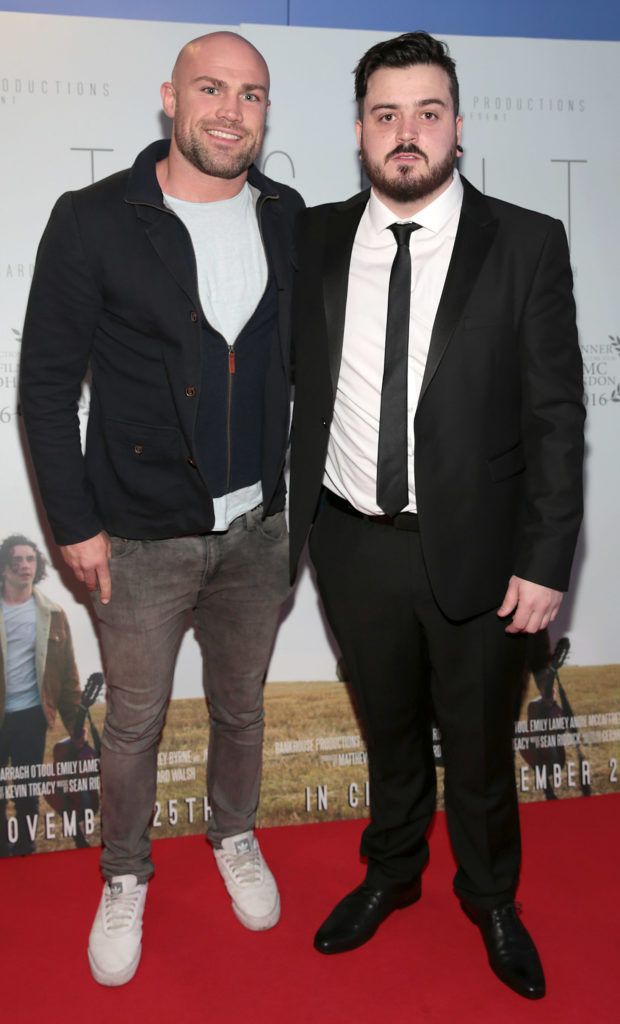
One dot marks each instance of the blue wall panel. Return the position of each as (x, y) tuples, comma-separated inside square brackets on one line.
[(213, 12), (552, 19)]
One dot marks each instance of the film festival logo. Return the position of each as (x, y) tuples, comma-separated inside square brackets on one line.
[(600, 372)]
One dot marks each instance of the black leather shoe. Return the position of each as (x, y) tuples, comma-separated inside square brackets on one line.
[(512, 954), (356, 918)]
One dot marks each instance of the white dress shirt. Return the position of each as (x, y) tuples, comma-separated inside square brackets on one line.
[(351, 466)]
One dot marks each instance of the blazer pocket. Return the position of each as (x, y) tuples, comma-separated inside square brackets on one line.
[(144, 442), (508, 464), (150, 465)]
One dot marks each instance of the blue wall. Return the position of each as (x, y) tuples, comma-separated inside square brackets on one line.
[(551, 19)]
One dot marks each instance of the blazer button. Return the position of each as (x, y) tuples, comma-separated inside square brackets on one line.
[(194, 316), (138, 449), (192, 463), (324, 422), (191, 391)]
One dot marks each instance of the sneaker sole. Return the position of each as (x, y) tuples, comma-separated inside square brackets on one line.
[(120, 977), (258, 924)]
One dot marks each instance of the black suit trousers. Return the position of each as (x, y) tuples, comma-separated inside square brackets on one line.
[(405, 659)]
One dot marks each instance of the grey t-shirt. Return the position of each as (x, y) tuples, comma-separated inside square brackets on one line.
[(231, 262), (20, 627)]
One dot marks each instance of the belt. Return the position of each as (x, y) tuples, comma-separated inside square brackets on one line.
[(402, 521)]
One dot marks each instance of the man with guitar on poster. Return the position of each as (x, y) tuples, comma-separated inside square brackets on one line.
[(38, 679)]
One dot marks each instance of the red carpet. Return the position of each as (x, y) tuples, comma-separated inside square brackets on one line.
[(426, 963)]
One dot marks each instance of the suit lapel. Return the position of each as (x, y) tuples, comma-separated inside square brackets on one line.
[(339, 236), (169, 239), (474, 237)]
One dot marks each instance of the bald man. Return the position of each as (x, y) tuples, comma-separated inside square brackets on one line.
[(171, 281)]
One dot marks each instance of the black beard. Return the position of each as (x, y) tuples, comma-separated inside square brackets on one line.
[(218, 167), (406, 188)]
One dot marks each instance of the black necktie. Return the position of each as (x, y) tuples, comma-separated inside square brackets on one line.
[(392, 465)]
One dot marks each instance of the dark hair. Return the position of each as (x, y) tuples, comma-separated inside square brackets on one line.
[(6, 551), (403, 52)]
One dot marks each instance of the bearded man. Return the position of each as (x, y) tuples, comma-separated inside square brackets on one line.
[(436, 458), (172, 282)]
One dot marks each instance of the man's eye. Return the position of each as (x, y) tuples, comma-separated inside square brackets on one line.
[(251, 96), (387, 117), (210, 90)]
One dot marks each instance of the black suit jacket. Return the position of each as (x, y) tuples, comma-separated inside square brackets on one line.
[(499, 424), (115, 288)]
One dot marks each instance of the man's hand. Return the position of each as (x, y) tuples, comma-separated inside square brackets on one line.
[(89, 562), (533, 605)]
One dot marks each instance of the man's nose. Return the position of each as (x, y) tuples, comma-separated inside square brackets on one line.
[(408, 129), (230, 109)]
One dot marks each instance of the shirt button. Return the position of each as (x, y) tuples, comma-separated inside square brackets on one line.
[(193, 316), (138, 449), (191, 391)]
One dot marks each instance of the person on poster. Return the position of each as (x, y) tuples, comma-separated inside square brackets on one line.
[(436, 453), (38, 679), (172, 281)]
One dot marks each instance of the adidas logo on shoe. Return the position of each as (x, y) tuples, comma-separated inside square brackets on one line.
[(242, 846), (250, 884), (115, 943)]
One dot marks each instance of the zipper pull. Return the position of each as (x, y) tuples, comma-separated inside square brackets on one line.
[(231, 359)]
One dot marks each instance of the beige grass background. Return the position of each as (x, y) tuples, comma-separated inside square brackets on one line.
[(307, 785)]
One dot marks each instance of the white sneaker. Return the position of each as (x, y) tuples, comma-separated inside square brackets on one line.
[(115, 942), (251, 886)]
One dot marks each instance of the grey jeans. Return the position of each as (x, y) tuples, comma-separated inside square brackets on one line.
[(233, 584)]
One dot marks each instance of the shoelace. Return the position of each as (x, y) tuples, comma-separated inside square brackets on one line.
[(245, 868), (119, 909)]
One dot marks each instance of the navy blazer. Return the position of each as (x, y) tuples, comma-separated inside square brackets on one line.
[(115, 290)]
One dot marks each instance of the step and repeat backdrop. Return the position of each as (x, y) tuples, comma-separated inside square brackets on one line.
[(79, 98)]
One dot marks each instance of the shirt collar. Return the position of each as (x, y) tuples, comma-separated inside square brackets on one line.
[(435, 216)]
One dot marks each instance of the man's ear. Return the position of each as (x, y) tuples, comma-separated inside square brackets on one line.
[(168, 98)]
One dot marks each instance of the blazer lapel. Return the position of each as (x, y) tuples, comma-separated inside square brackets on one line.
[(474, 237), (340, 232), (169, 239)]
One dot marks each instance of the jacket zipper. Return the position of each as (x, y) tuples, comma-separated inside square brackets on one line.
[(231, 373), (231, 353)]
